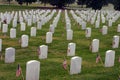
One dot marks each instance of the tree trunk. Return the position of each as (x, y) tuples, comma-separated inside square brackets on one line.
[(9, 2), (27, 3)]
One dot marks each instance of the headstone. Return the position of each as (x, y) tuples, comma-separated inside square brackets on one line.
[(32, 70), (12, 33), (43, 51), (115, 43), (24, 41), (110, 23), (29, 22), (104, 30), (97, 24), (103, 19), (39, 25), (88, 32), (0, 45), (95, 45), (5, 28), (83, 25), (23, 26), (0, 25), (21, 19), (68, 26), (71, 49), (109, 58), (9, 55), (14, 23), (75, 65), (49, 37), (69, 34), (52, 29), (118, 28), (33, 31)]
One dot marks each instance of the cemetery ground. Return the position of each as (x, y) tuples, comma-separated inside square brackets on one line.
[(51, 68)]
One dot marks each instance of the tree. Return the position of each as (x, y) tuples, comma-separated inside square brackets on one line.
[(116, 4), (45, 2), (20, 2), (70, 2), (26, 1), (94, 4), (9, 1), (61, 3), (81, 2)]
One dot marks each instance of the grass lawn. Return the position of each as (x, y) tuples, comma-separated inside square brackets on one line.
[(51, 68)]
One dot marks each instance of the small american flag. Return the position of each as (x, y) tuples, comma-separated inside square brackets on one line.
[(64, 64), (18, 71), (1, 56), (113, 43), (68, 50), (38, 51), (119, 59), (100, 30), (90, 48), (20, 41), (98, 58), (86, 31)]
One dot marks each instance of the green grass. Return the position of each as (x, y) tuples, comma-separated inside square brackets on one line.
[(51, 68)]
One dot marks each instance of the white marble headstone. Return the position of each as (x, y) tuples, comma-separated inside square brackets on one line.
[(97, 24), (115, 43), (0, 45), (68, 26), (5, 28), (33, 31), (0, 25), (49, 36), (71, 49), (110, 23), (52, 29), (29, 22), (88, 32), (69, 34), (95, 45), (9, 55), (109, 58), (24, 41), (43, 52), (75, 65), (118, 28), (12, 33), (32, 70), (14, 23), (39, 25), (23, 26), (83, 25), (104, 30)]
